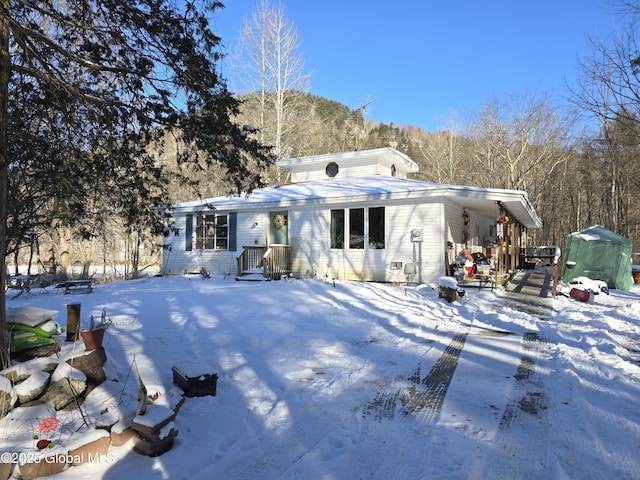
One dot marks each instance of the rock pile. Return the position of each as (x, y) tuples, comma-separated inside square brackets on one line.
[(51, 380)]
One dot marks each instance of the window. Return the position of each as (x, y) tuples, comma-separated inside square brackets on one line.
[(356, 228), (364, 228), (332, 169), (337, 229), (212, 232), (376, 228)]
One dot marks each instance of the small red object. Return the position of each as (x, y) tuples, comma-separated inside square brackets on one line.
[(42, 444), (580, 295)]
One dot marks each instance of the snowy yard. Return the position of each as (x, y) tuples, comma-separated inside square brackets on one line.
[(368, 381)]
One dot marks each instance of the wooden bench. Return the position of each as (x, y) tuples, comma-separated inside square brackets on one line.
[(81, 286)]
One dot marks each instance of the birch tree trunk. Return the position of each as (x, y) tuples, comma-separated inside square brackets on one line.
[(5, 73), (269, 63)]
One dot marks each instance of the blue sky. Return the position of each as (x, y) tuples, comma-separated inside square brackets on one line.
[(420, 59)]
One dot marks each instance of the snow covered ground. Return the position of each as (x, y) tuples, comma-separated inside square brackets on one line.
[(367, 381)]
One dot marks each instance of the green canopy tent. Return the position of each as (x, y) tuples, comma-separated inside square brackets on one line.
[(599, 254)]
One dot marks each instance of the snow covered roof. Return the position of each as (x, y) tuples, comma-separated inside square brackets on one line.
[(598, 233), (378, 161), (375, 188)]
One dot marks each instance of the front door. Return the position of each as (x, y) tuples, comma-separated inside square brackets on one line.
[(279, 228)]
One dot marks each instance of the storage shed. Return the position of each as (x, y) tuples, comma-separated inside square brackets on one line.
[(599, 254)]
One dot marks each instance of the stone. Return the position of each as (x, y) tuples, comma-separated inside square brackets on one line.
[(8, 396), (66, 386), (91, 451), (92, 365), (32, 387), (23, 370), (5, 470), (49, 465), (119, 438), (15, 376), (63, 393)]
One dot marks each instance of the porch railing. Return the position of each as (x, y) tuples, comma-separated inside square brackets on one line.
[(250, 258), (275, 260)]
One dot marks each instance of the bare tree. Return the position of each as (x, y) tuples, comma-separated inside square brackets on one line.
[(439, 154), (520, 142), (268, 61), (609, 93)]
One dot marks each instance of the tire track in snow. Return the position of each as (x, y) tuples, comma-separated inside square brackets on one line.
[(525, 411), (422, 396)]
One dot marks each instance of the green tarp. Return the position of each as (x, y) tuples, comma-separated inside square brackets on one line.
[(599, 254)]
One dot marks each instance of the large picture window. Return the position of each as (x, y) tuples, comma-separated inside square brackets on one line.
[(212, 232), (364, 228)]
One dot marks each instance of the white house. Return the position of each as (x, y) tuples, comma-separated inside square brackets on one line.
[(352, 215)]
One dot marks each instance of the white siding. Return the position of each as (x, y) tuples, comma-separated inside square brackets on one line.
[(427, 256), (175, 257), (309, 234), (409, 206), (309, 229), (309, 240), (352, 164), (358, 168), (251, 230), (455, 224)]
